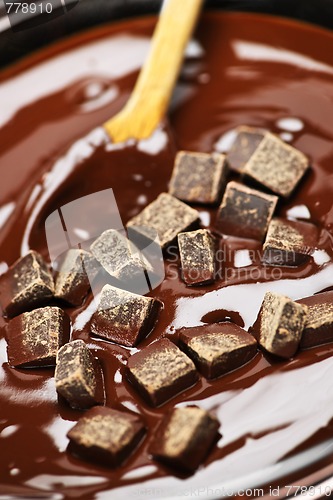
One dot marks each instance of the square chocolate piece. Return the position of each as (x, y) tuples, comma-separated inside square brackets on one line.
[(276, 165), (34, 337), (218, 348), (124, 317), (185, 437), (119, 257), (197, 257), (245, 144), (198, 177), (106, 436), (289, 242), (27, 284), (281, 323), (167, 216), (73, 278), (160, 372), (245, 212), (318, 328), (78, 376)]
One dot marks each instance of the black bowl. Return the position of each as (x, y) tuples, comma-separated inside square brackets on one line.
[(26, 37)]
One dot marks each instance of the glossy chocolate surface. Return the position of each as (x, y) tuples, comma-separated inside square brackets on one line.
[(243, 69)]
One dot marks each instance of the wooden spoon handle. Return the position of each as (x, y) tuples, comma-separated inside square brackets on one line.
[(151, 95)]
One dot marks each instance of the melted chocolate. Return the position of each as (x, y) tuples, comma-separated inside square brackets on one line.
[(244, 69)]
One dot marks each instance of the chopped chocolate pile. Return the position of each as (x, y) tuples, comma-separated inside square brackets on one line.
[(245, 144), (77, 376), (218, 348), (124, 317), (318, 327), (34, 337), (167, 216), (198, 177), (106, 436), (161, 371), (281, 324), (185, 437), (289, 242), (27, 284), (197, 257), (277, 166), (245, 212), (74, 276)]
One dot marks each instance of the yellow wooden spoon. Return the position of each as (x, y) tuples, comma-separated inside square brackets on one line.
[(151, 95)]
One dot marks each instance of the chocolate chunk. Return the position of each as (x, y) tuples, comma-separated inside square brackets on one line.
[(318, 328), (26, 284), (281, 323), (119, 257), (185, 437), (218, 348), (167, 216), (197, 256), (198, 177), (73, 278), (245, 144), (34, 337), (289, 242), (106, 436), (160, 371), (78, 376), (245, 212), (276, 165), (124, 317)]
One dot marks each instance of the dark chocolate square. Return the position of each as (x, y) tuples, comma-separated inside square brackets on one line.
[(78, 376), (198, 177), (184, 438), (276, 165), (119, 257), (167, 216), (106, 436), (197, 257), (34, 337), (161, 371), (72, 282), (245, 212), (124, 317), (28, 283), (217, 348), (318, 327), (289, 242), (245, 144), (281, 323)]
